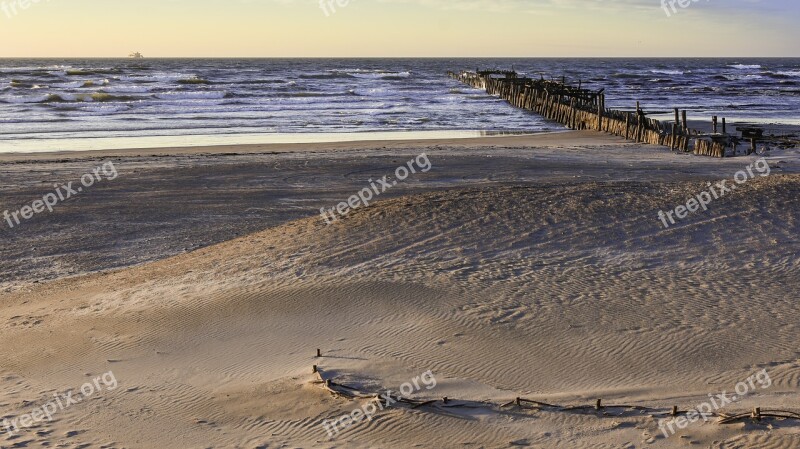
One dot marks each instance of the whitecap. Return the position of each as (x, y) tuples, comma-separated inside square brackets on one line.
[(127, 89), (22, 99), (668, 72), (104, 109), (191, 95), (69, 85)]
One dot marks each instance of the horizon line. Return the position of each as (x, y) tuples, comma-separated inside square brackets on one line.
[(402, 57)]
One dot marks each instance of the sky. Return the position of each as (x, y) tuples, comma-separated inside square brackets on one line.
[(398, 28)]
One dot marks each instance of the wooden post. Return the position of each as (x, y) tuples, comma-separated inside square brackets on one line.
[(599, 405), (752, 146), (314, 369), (627, 125), (674, 136), (724, 127), (319, 353), (599, 116), (714, 124), (517, 401), (757, 413), (677, 116), (545, 104), (685, 123), (674, 410), (444, 399), (572, 113), (640, 121)]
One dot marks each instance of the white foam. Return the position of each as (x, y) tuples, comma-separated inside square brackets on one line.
[(163, 77), (22, 99), (668, 72), (105, 109), (184, 95), (381, 75), (127, 89), (69, 85)]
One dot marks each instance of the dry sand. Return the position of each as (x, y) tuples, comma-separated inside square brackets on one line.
[(525, 266)]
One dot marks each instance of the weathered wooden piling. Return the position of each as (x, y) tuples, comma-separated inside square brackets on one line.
[(674, 142), (579, 108), (627, 126), (599, 117)]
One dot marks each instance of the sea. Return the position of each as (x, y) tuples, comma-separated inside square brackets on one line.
[(92, 104)]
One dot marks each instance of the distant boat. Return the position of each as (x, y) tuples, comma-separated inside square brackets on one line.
[(136, 55)]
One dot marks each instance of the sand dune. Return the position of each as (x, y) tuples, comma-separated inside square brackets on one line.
[(552, 290), (561, 292)]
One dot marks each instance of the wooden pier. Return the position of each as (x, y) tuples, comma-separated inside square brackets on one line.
[(579, 108)]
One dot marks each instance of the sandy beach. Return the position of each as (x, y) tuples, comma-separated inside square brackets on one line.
[(192, 291)]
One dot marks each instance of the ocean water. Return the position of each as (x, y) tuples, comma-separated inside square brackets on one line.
[(52, 105)]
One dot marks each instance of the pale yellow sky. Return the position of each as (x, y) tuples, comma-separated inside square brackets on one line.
[(295, 28)]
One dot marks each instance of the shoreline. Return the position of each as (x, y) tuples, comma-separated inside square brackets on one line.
[(68, 145), (288, 142), (566, 137)]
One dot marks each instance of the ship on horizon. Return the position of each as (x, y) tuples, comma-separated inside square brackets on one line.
[(136, 55)]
